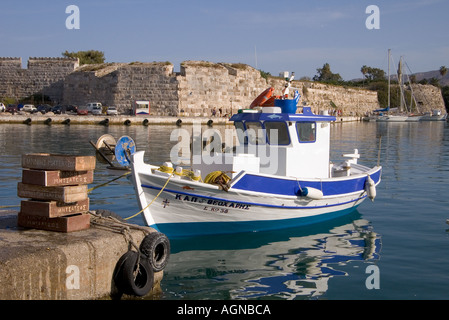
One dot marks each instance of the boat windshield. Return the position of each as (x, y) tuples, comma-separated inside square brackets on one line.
[(277, 133), (240, 130), (254, 132)]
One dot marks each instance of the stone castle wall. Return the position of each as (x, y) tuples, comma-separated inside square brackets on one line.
[(204, 86), (42, 75), (119, 84), (196, 90)]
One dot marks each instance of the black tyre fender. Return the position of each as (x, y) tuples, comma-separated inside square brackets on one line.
[(126, 280), (156, 248)]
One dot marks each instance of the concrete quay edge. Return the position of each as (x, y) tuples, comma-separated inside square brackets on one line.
[(123, 119), (45, 265)]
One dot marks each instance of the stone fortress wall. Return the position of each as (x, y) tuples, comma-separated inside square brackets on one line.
[(195, 91), (42, 75)]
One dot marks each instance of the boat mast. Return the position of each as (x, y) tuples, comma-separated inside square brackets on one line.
[(389, 53), (400, 85)]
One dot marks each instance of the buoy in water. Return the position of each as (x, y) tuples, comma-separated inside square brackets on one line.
[(178, 122), (127, 122), (145, 122), (47, 121), (27, 121), (66, 121), (210, 122)]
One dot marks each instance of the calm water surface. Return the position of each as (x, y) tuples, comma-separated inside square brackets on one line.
[(403, 234)]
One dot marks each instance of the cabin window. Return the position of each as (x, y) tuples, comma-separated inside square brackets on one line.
[(277, 133), (240, 130), (306, 131), (254, 132)]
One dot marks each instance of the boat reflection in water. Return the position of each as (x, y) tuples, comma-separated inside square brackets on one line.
[(287, 264)]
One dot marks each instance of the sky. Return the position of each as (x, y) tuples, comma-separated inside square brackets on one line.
[(274, 36)]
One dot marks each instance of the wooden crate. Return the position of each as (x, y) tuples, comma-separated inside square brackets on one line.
[(46, 161), (71, 223), (57, 178), (56, 186), (53, 209), (65, 194)]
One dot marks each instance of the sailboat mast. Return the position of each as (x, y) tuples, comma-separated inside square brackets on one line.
[(389, 53), (400, 85)]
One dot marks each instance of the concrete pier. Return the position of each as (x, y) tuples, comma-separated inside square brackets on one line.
[(45, 265), (65, 119)]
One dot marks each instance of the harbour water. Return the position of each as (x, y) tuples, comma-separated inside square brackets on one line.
[(394, 248)]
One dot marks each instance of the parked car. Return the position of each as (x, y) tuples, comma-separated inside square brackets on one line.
[(82, 111), (96, 110), (43, 108), (112, 111), (2, 107), (29, 108), (58, 110), (72, 108), (11, 108)]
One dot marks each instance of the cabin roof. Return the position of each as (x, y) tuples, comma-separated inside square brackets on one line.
[(306, 116)]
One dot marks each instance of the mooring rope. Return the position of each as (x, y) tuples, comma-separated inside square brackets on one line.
[(106, 183), (166, 182), (115, 225)]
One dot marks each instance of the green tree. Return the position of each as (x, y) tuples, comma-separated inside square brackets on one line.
[(86, 57), (373, 74), (326, 75)]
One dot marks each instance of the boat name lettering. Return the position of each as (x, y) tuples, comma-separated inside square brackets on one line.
[(219, 203)]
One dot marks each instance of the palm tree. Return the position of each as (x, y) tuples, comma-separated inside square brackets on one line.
[(443, 71)]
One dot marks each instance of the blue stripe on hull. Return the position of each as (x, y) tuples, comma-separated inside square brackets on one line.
[(253, 203), (278, 186), (177, 230)]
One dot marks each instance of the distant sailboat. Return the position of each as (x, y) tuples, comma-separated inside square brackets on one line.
[(403, 113)]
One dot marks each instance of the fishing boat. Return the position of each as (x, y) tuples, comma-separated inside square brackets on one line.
[(278, 176)]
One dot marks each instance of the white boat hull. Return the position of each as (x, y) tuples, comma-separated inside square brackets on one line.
[(392, 118), (180, 207)]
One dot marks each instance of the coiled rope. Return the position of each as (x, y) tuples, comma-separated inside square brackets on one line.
[(220, 178)]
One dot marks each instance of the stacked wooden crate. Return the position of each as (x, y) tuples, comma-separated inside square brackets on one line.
[(56, 188)]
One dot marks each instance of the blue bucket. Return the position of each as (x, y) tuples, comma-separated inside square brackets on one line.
[(287, 105)]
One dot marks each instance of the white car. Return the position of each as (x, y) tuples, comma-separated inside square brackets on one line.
[(29, 108), (112, 111), (2, 107), (91, 105), (96, 110)]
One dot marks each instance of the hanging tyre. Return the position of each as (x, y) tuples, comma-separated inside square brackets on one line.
[(131, 281), (156, 247)]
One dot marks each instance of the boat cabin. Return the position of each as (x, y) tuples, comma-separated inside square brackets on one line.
[(275, 142)]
